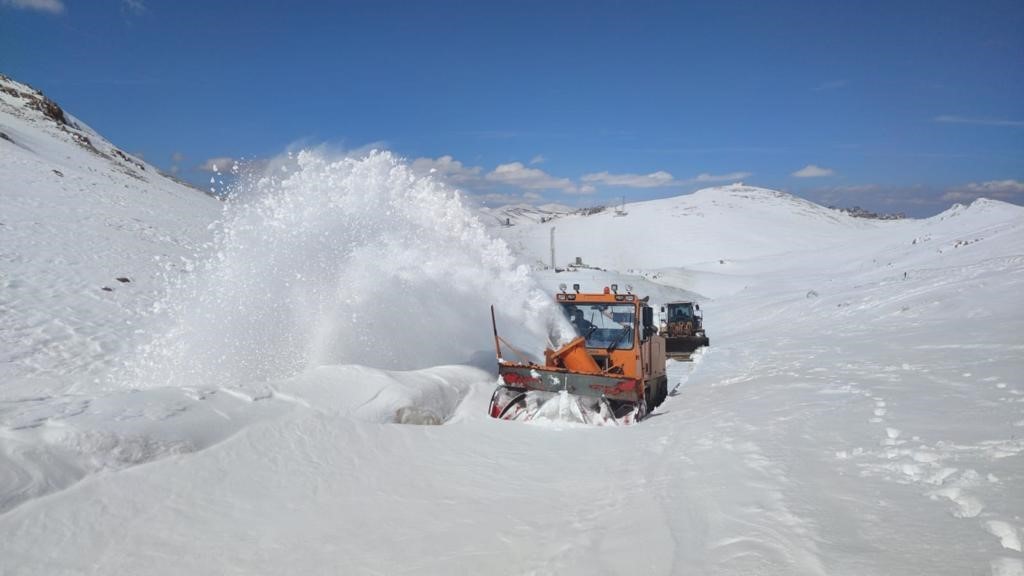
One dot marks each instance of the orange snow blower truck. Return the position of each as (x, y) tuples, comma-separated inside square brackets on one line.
[(613, 371)]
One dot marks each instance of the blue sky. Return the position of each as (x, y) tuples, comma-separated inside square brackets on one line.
[(893, 106)]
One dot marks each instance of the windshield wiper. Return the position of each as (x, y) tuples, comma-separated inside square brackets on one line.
[(619, 338)]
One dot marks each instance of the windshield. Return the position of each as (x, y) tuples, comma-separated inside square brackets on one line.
[(608, 326), (680, 312)]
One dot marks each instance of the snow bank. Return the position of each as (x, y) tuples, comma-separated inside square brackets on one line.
[(429, 396)]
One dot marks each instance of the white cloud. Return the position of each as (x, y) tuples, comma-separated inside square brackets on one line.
[(51, 6), (218, 164), (659, 179), (812, 171), (514, 174), (849, 195), (1012, 190), (176, 159), (518, 175), (448, 169), (731, 176), (831, 85), (500, 198), (856, 188), (960, 196), (481, 183), (997, 187), (951, 119), (134, 7), (653, 180)]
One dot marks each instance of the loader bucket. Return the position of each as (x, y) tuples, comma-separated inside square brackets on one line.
[(681, 345)]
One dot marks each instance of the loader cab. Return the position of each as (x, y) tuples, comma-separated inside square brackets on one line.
[(681, 311)]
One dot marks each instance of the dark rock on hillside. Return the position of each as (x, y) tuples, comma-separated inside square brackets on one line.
[(858, 212)]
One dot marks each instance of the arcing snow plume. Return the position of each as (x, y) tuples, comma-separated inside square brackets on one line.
[(350, 261)]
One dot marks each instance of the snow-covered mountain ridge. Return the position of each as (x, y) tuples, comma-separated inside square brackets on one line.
[(715, 228), (46, 116)]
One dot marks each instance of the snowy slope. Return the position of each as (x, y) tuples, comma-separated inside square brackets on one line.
[(521, 213), (76, 214), (724, 223), (860, 410)]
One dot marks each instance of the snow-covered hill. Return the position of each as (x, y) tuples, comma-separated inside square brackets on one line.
[(238, 405), (76, 215), (725, 223), (714, 240), (516, 214)]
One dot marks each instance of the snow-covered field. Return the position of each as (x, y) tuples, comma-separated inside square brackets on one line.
[(258, 397)]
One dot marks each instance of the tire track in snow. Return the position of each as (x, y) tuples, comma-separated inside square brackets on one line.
[(926, 465), (735, 507)]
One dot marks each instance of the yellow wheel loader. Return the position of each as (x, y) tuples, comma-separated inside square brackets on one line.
[(683, 326)]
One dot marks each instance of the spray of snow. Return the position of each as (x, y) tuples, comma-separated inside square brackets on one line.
[(342, 261)]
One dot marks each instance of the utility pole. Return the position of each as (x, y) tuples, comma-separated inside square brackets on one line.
[(552, 247)]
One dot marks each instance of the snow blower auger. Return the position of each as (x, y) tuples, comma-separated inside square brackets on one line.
[(613, 372)]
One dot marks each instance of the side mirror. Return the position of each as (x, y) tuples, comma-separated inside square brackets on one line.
[(648, 321), (697, 306)]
